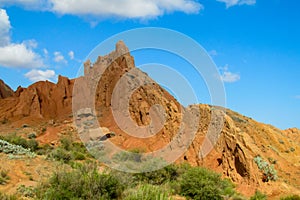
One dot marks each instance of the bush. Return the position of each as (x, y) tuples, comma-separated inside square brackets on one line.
[(4, 177), (258, 196), (68, 151), (147, 192), (292, 197), (268, 170), (31, 144), (84, 182), (60, 154), (13, 149), (26, 191), (200, 183), (158, 177), (7, 197), (44, 150), (31, 136)]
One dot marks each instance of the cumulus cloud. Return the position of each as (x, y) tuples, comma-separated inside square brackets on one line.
[(71, 55), (227, 76), (16, 55), (4, 28), (124, 9), (59, 58), (39, 75), (141, 9), (230, 3), (19, 56)]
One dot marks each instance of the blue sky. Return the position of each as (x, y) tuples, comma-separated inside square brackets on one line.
[(254, 43)]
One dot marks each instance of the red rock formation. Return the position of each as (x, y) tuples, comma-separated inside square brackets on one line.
[(40, 100), (5, 90)]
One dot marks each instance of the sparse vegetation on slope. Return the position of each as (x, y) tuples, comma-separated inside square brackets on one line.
[(14, 150), (268, 170)]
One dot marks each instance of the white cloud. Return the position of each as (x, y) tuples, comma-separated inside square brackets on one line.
[(230, 3), (71, 55), (19, 56), (46, 53), (59, 58), (128, 9), (16, 55), (297, 96), (31, 44), (28, 4), (39, 75), (213, 53), (143, 9), (4, 28), (227, 76)]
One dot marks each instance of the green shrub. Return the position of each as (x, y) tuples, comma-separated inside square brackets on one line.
[(292, 197), (147, 192), (84, 182), (31, 136), (202, 184), (4, 177), (68, 151), (258, 196), (31, 144), (14, 150), (268, 170), (7, 197), (26, 191), (78, 156), (60, 154), (158, 177), (44, 150), (66, 144)]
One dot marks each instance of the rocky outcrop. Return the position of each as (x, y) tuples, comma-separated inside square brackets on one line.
[(5, 90), (125, 97), (40, 100)]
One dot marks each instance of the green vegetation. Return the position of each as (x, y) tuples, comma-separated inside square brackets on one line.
[(199, 183), (26, 191), (258, 196), (7, 197), (147, 192), (167, 174), (31, 144), (68, 151), (88, 181), (292, 197), (4, 177), (13, 149), (268, 170), (84, 182)]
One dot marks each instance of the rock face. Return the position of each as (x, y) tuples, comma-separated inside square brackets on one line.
[(5, 90), (111, 78), (40, 100)]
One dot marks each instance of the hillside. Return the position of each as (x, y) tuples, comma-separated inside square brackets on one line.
[(49, 110)]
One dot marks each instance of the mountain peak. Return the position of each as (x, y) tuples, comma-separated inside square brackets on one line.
[(121, 48)]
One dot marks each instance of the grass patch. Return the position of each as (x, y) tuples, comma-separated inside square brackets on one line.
[(4, 178)]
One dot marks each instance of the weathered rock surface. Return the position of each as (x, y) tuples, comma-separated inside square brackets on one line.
[(5, 90), (40, 100)]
